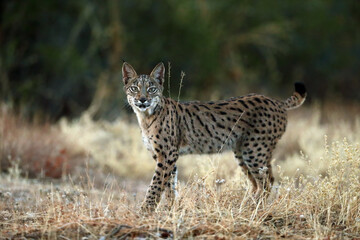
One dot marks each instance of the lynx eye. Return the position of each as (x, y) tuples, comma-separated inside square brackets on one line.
[(134, 89), (152, 90)]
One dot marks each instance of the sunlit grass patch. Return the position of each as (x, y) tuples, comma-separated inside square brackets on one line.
[(115, 146)]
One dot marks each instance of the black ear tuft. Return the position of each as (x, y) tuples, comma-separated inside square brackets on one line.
[(300, 88)]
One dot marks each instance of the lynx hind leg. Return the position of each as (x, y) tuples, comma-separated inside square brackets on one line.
[(246, 170), (256, 156), (171, 187)]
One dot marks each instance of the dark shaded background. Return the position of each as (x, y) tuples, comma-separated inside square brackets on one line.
[(60, 58)]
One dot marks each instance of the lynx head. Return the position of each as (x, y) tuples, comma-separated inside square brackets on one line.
[(144, 92)]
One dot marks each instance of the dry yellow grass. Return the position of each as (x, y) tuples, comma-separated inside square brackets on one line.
[(316, 195)]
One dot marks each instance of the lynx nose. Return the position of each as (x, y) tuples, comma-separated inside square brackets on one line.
[(142, 100)]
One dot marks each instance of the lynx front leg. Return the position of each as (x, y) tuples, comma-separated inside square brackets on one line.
[(171, 189), (165, 163)]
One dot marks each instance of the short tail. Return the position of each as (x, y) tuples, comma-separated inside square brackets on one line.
[(298, 97)]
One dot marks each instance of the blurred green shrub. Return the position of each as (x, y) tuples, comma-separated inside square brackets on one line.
[(63, 57)]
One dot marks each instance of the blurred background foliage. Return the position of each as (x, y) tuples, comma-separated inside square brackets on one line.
[(61, 58)]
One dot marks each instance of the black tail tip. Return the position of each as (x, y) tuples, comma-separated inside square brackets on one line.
[(300, 88)]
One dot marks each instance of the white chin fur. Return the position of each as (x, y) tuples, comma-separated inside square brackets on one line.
[(148, 110), (142, 109)]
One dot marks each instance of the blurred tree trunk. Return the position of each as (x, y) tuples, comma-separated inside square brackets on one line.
[(108, 83), (4, 80), (116, 36), (5, 91)]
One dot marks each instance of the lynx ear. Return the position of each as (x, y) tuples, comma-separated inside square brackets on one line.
[(128, 72), (158, 73)]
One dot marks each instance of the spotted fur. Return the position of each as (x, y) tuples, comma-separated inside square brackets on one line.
[(250, 126)]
